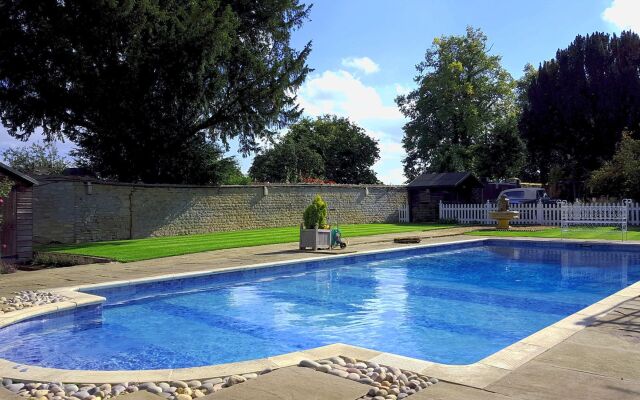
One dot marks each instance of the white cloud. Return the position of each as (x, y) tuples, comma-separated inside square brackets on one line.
[(400, 90), (392, 176), (390, 146), (624, 14), (364, 64), (341, 93)]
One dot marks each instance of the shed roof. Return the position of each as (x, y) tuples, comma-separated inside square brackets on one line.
[(17, 175), (444, 180)]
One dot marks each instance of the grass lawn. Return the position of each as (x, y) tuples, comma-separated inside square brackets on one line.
[(583, 233), (145, 249)]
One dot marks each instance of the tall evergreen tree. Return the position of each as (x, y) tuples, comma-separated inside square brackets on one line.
[(141, 86), (579, 103), (529, 170)]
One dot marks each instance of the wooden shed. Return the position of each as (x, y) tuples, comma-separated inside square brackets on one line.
[(16, 236), (427, 190)]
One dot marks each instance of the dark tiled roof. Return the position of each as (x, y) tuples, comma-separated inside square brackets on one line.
[(17, 175), (444, 180)]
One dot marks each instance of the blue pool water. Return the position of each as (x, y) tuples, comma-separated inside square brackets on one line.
[(452, 304)]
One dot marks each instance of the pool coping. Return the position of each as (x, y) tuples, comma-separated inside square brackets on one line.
[(479, 374)]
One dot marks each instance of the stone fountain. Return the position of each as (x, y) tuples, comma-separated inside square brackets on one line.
[(504, 215)]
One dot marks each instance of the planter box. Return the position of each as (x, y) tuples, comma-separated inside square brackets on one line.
[(315, 239)]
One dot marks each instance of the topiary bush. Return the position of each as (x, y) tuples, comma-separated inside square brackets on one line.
[(315, 216)]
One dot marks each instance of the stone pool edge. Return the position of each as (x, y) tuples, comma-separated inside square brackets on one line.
[(479, 374)]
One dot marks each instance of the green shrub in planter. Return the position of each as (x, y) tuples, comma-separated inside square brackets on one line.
[(315, 216)]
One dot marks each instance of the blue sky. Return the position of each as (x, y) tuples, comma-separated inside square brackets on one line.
[(365, 51)]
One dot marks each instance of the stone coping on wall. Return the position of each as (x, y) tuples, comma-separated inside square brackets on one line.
[(479, 374), (43, 180)]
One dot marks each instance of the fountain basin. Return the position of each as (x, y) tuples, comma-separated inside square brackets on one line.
[(503, 218)]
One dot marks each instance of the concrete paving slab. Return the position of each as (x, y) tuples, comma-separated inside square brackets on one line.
[(633, 304), (293, 383), (519, 353), (140, 395), (607, 361), (449, 391), (575, 322), (541, 381), (621, 318), (617, 339), (7, 395), (476, 375), (548, 337)]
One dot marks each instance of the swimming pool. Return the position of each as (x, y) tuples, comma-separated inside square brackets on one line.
[(453, 304)]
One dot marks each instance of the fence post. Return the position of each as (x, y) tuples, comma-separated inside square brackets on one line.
[(540, 212), (487, 209)]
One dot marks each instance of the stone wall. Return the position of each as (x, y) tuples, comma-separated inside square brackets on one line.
[(71, 210)]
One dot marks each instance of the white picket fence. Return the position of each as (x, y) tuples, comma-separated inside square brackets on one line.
[(403, 213), (530, 214)]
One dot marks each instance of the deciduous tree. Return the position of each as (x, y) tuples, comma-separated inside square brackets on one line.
[(37, 158), (619, 177), (463, 106), (328, 147)]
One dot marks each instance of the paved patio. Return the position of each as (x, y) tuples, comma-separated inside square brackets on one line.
[(599, 362)]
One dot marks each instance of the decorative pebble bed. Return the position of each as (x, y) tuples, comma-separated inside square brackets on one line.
[(387, 383), (28, 298), (175, 390)]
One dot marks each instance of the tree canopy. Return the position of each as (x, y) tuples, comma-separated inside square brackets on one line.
[(328, 147), (141, 86), (37, 158), (208, 165), (579, 103), (463, 114), (619, 177)]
